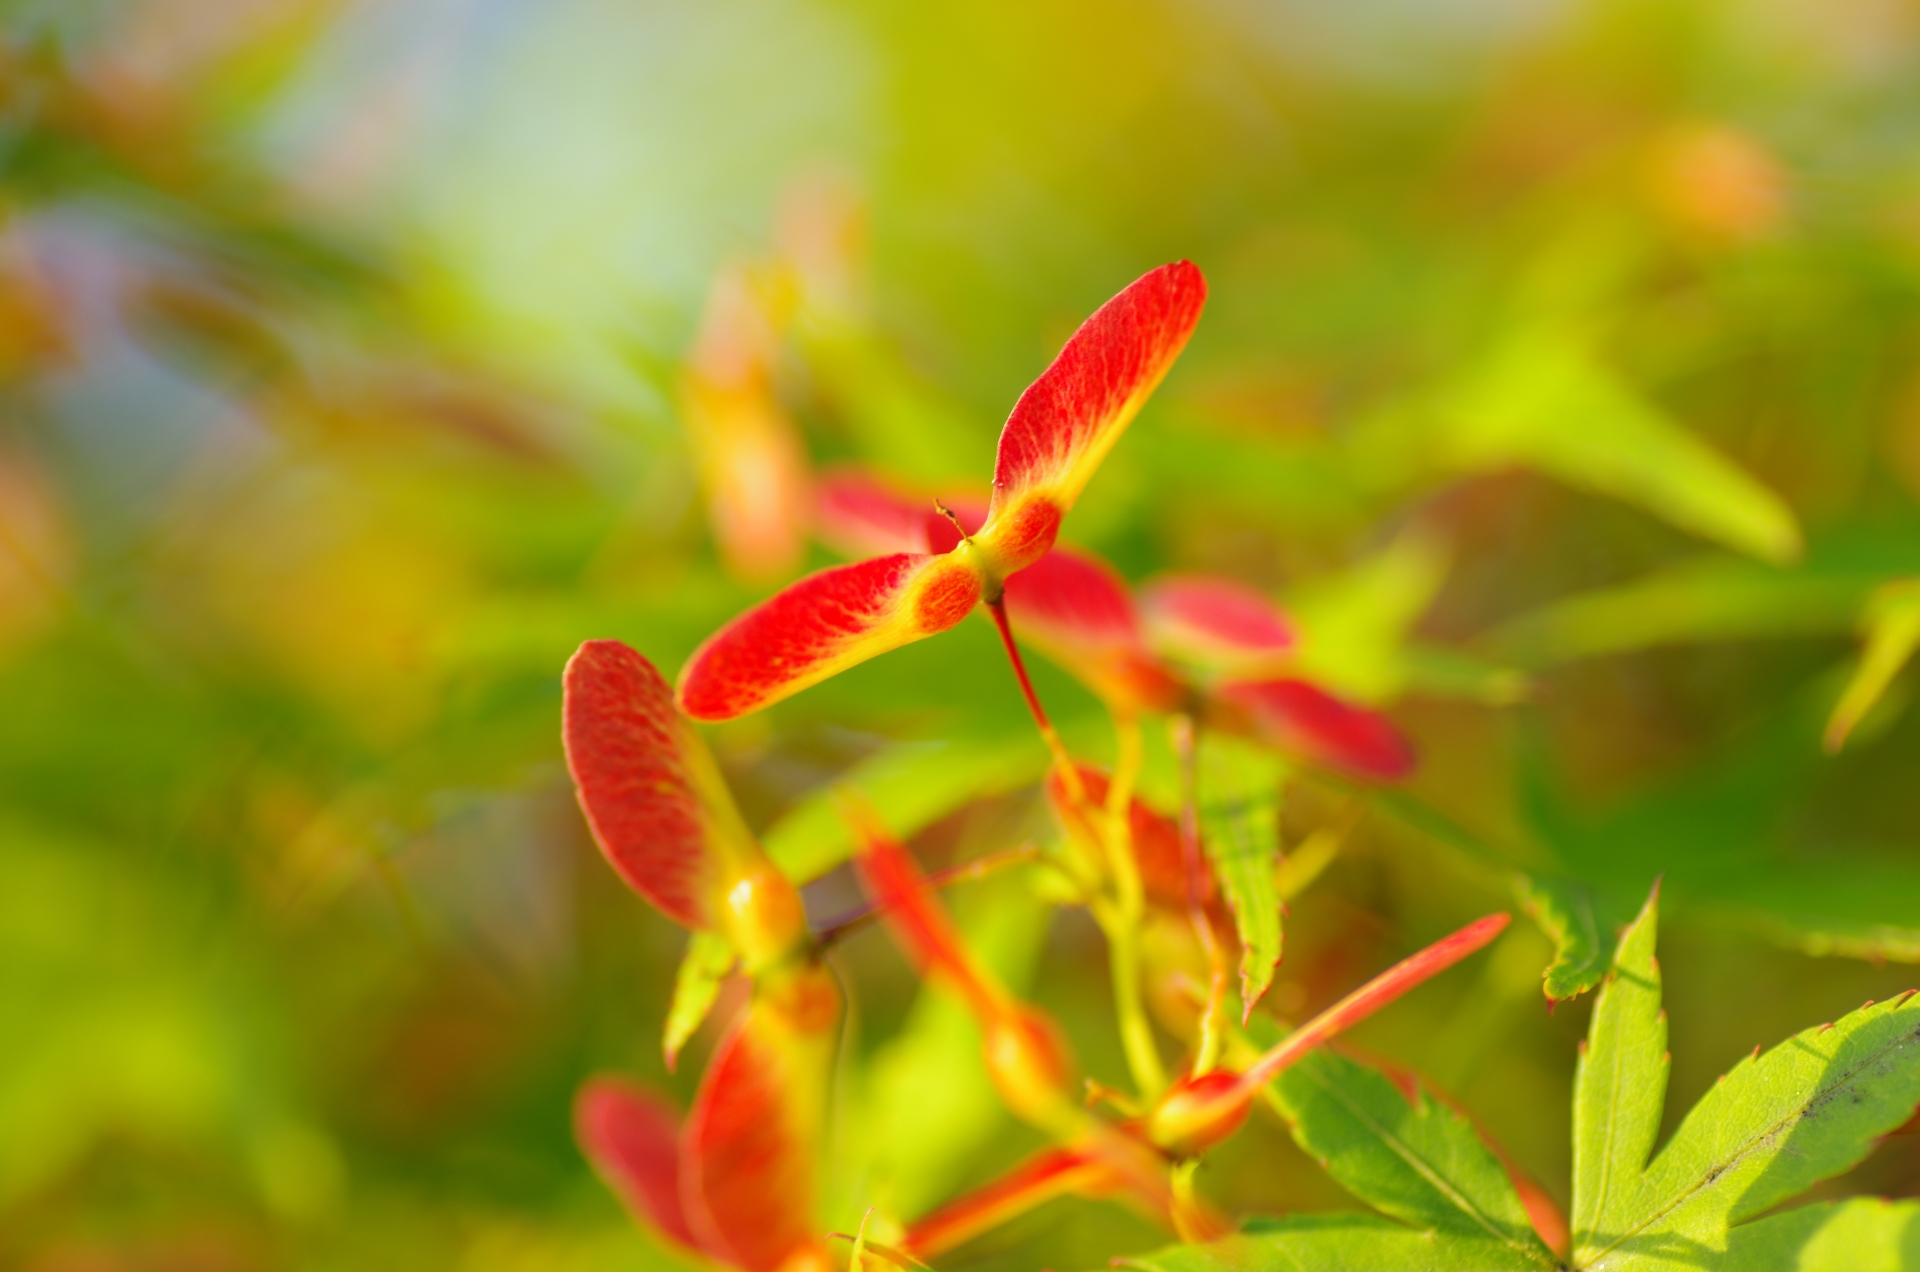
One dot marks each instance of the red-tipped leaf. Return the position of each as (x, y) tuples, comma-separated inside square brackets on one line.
[(1049, 1173), (747, 451), (652, 796), (1076, 609), (749, 1148), (1026, 1056), (822, 625), (1203, 1111), (1214, 621), (1068, 419), (1414, 970), (918, 921), (1305, 720), (631, 1136)]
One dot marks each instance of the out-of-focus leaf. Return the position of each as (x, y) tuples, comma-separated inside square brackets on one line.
[(1543, 401), (631, 1136), (748, 453), (1870, 908), (1573, 914), (1355, 623), (910, 786), (1215, 621), (708, 959), (1240, 828), (1892, 627), (1299, 868), (1076, 609), (1710, 599), (1570, 915), (1438, 672), (1299, 718)]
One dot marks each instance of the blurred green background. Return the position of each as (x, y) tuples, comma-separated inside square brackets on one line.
[(1559, 373)]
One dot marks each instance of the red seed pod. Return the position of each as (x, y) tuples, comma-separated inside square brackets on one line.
[(1197, 1113), (1030, 1065)]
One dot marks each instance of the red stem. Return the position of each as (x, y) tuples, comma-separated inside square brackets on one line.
[(999, 610)]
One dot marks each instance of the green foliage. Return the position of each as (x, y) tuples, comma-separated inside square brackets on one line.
[(708, 960), (1892, 628), (1240, 829), (1557, 378), (1543, 400), (1772, 1127)]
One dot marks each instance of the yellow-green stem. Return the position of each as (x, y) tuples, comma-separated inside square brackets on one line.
[(1122, 911), (1136, 1036), (1213, 1019)]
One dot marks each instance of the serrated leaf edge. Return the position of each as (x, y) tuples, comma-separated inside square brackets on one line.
[(1405, 1152)]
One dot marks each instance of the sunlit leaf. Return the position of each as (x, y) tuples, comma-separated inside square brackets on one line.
[(1892, 624), (1542, 400), (696, 985), (1068, 419), (1331, 1243), (1709, 599), (1861, 1234), (822, 625), (1776, 1124), (1406, 1154)]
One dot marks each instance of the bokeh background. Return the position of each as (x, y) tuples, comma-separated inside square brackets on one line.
[(1560, 374)]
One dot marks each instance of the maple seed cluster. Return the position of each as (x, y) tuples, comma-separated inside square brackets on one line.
[(736, 1179)]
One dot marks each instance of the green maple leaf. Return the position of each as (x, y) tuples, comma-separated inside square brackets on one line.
[(1775, 1125)]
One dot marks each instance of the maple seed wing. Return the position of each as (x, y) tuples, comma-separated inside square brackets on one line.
[(858, 514), (1068, 419), (1050, 1173), (1304, 719), (918, 921), (1214, 620), (651, 794), (747, 1152), (631, 1137), (822, 625)]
